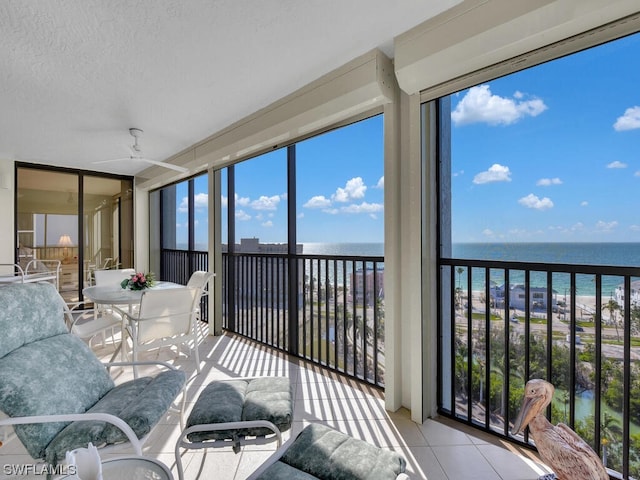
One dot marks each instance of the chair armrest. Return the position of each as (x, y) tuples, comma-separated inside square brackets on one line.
[(135, 364), (79, 417), (273, 458)]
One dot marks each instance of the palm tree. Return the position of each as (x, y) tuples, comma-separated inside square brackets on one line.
[(612, 306), (611, 433)]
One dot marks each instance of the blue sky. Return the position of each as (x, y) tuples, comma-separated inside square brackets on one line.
[(552, 153), (549, 154)]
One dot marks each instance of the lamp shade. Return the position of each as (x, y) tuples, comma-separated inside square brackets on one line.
[(65, 241)]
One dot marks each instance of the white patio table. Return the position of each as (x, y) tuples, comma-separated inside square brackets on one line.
[(116, 295)]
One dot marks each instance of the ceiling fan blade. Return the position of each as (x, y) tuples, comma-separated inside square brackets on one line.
[(170, 166)]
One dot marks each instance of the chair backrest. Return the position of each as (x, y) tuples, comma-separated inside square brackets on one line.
[(29, 312), (112, 277), (199, 279), (44, 370), (166, 313)]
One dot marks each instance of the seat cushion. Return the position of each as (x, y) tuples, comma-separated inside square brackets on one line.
[(30, 312), (141, 403), (266, 398), (55, 375), (282, 471), (331, 455)]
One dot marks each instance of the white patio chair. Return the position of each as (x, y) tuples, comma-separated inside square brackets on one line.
[(200, 279), (112, 277), (164, 317), (87, 324)]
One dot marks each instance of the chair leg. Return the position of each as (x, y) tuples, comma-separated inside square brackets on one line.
[(195, 352)]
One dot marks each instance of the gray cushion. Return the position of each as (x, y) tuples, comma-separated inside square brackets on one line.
[(55, 375), (331, 455), (280, 470), (268, 398), (141, 403), (29, 312)]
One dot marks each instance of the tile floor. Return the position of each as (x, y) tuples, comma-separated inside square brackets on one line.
[(439, 449)]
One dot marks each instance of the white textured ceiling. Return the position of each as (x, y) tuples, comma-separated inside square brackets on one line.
[(76, 74)]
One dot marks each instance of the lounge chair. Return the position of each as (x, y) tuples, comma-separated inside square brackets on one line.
[(56, 392)]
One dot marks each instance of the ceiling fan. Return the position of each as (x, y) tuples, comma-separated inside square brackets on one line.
[(136, 154)]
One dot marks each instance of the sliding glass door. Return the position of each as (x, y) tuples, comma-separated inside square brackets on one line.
[(83, 220)]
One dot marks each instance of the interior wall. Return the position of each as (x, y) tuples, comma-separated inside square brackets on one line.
[(7, 207)]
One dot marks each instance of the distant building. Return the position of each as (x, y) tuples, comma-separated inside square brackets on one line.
[(635, 293), (538, 297), (262, 276), (367, 285)]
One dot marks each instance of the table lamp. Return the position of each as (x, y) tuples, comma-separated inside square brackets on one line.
[(65, 241)]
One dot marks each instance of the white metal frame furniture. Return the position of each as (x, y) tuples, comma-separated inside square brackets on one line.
[(166, 316), (56, 392), (237, 412), (200, 280), (105, 296), (35, 271)]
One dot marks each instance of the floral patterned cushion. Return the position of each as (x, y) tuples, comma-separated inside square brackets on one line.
[(266, 398), (54, 375), (324, 453), (29, 312)]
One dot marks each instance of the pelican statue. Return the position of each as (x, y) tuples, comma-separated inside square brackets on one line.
[(570, 457)]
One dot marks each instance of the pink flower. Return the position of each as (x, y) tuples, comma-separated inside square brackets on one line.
[(141, 278)]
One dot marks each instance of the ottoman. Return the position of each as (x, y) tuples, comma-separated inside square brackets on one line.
[(229, 411)]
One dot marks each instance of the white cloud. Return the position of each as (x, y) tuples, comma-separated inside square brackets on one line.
[(301, 215), (584, 203), (268, 224), (364, 207), (224, 201), (488, 232), (201, 200), (479, 105), (605, 226), (629, 121), (354, 188), (637, 174), (242, 201), (319, 201), (380, 183), (635, 228), (242, 216), (617, 164), (532, 201), (456, 174), (331, 211), (496, 173), (545, 182), (266, 203)]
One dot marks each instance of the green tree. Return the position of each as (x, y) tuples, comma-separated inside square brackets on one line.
[(612, 307)]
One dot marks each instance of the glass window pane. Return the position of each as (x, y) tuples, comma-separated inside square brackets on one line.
[(261, 198), (340, 189)]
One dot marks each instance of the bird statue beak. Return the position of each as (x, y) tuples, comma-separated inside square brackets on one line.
[(524, 417)]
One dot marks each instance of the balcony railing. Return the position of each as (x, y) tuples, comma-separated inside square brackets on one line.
[(178, 265), (327, 309), (576, 326)]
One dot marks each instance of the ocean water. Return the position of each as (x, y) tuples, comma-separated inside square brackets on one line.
[(609, 254), (363, 249)]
